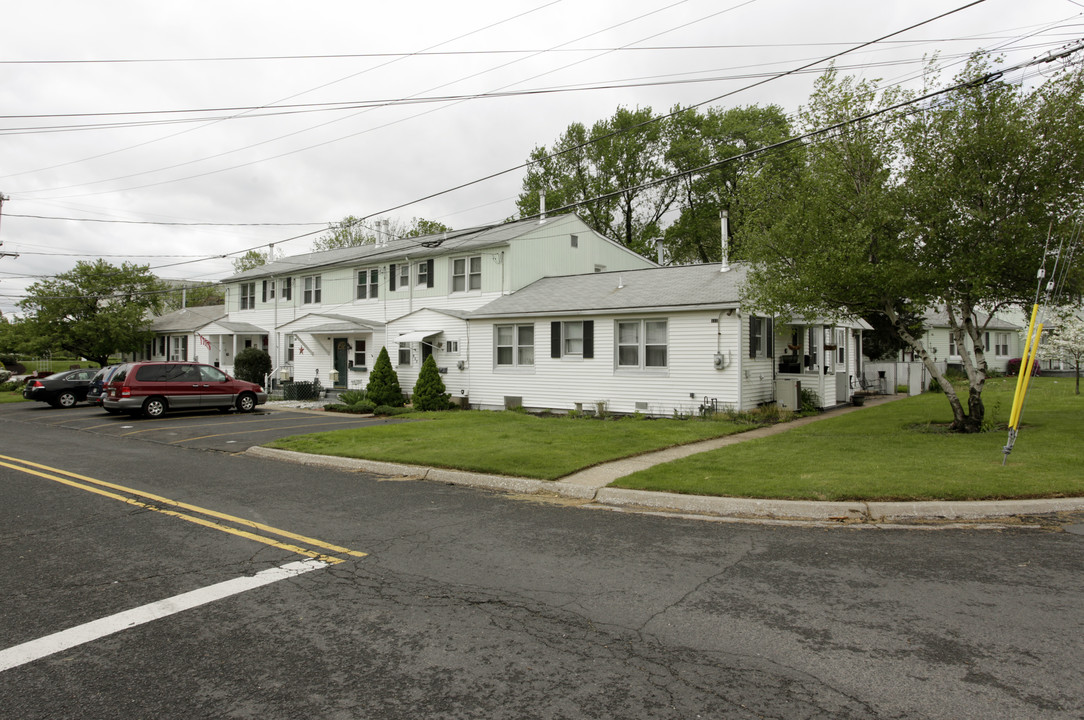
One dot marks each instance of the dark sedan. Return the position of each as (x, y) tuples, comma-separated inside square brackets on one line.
[(62, 389)]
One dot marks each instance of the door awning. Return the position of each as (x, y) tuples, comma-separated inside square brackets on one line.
[(417, 336)]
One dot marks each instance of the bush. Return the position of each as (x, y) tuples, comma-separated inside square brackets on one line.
[(383, 387), (808, 401), (10, 386), (429, 390), (1013, 368), (351, 397), (389, 410), (252, 364), (362, 408)]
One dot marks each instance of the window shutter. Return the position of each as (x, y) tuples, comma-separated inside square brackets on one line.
[(588, 338), (769, 339), (265, 291), (391, 276), (753, 319), (555, 339), (429, 273)]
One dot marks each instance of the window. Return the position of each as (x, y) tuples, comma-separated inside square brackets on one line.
[(404, 354), (359, 353), (404, 276), (425, 274), (1001, 349), (575, 241), (290, 348), (952, 351), (160, 345), (368, 284), (311, 292), (515, 345), (572, 338), (287, 285), (452, 346), (641, 344), (268, 290), (248, 296), (760, 336), (467, 274)]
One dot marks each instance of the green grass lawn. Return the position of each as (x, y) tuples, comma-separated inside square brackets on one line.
[(12, 396), (900, 451), (508, 443)]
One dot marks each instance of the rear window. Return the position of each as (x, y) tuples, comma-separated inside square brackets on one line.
[(122, 372)]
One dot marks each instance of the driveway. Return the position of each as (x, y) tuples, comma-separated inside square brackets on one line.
[(203, 430)]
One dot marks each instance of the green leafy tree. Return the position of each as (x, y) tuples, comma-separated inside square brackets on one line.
[(948, 207), (252, 364), (251, 260), (429, 391), (203, 295), (618, 155), (383, 387), (693, 140), (93, 311), (353, 232)]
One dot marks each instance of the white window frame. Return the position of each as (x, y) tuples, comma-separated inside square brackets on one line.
[(520, 354), (1001, 348), (248, 296), (405, 348), (421, 275), (451, 346), (370, 288), (642, 351), (467, 273), (568, 340), (403, 281), (311, 294), (359, 353)]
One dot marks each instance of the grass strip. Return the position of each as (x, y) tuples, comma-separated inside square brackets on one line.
[(508, 443), (899, 451)]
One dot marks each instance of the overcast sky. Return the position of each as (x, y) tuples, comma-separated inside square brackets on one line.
[(232, 157)]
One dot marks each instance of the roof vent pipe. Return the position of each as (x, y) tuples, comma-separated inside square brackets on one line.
[(541, 207), (723, 217), (387, 231)]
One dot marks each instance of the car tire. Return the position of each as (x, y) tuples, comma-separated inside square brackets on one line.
[(154, 407), (246, 402), (66, 399)]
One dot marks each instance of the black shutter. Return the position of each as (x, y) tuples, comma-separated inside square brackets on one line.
[(752, 336), (769, 340), (265, 291), (391, 277), (555, 339), (588, 338), (429, 273)]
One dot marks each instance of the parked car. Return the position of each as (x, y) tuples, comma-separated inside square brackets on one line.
[(153, 388), (62, 389), (98, 384)]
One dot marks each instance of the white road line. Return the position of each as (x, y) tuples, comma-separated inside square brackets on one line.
[(72, 637)]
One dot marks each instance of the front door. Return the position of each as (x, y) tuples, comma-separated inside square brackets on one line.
[(342, 351)]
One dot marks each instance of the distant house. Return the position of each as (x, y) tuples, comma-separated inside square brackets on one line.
[(180, 335), (1001, 340)]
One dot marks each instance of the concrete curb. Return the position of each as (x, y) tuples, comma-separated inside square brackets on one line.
[(710, 506)]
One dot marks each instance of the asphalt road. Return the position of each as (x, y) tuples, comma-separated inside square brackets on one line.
[(472, 604)]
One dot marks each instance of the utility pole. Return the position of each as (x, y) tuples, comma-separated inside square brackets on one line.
[(3, 254)]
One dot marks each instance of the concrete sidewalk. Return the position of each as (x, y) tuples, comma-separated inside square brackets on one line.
[(589, 486)]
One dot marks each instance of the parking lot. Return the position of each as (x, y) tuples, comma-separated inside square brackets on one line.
[(203, 430)]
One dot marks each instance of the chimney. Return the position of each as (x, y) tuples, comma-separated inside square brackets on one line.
[(723, 216), (660, 251), (541, 207)]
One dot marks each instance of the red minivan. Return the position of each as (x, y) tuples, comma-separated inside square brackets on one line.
[(153, 388)]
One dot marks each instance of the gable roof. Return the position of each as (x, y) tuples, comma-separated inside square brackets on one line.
[(447, 243), (681, 286), (188, 319)]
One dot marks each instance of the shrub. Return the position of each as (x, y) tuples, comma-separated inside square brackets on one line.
[(389, 410), (429, 390), (10, 386), (252, 364), (5, 375), (1013, 368), (351, 397), (362, 408), (383, 387), (808, 401)]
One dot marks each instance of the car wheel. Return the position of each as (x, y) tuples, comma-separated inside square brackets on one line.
[(154, 407), (246, 402), (66, 399)]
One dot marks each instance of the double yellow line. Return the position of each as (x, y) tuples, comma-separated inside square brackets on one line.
[(327, 552)]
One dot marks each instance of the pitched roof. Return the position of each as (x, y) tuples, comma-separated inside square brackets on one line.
[(188, 319), (682, 286), (428, 245)]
